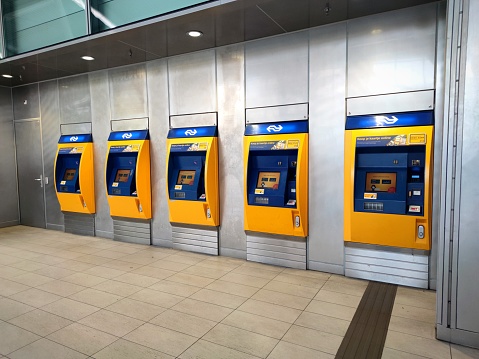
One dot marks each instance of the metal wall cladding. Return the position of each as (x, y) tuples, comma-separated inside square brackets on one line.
[(101, 130), (192, 83), (326, 147), (392, 52), (50, 120), (8, 191), (231, 120), (128, 96), (75, 103), (79, 223), (159, 126), (277, 70), (468, 244), (276, 250), (196, 240), (132, 231), (26, 102)]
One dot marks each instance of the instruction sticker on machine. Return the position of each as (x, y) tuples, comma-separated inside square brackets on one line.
[(274, 145), (70, 150), (392, 140), (417, 138), (125, 148), (189, 147)]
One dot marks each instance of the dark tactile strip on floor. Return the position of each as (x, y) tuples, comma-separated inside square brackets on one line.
[(367, 332)]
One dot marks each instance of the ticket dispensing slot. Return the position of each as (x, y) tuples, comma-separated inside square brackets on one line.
[(276, 178), (192, 167), (74, 179), (388, 195), (128, 174)]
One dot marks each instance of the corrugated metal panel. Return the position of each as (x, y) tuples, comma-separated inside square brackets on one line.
[(195, 239), (282, 252), (391, 265), (79, 223), (133, 231)]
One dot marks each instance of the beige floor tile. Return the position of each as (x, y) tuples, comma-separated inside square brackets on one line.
[(104, 272), (68, 254), (293, 289), (207, 350), (268, 310), (161, 339), (8, 287), (170, 265), (35, 297), (185, 258), (11, 308), (32, 279), (285, 350), (286, 300), (86, 280), (316, 283), (331, 310), (28, 265), (428, 348), (7, 272), (154, 272), (70, 309), (269, 267), (125, 249), (219, 298), (416, 297), (110, 254), (183, 323), (111, 323), (191, 279), (122, 265), (135, 309), (202, 309), (14, 338), (143, 257), (85, 249), (322, 276), (347, 300), (118, 288), (26, 254), (256, 324), (323, 323), (251, 281), (40, 322), (232, 288), (167, 286), (46, 349), (212, 273), (313, 339), (416, 313), (124, 349), (137, 279), (256, 272), (50, 260), (96, 297), (413, 327), (76, 266), (62, 288), (162, 299), (241, 340), (218, 265), (352, 288), (389, 353), (54, 272), (83, 339), (93, 260), (8, 260), (460, 352)]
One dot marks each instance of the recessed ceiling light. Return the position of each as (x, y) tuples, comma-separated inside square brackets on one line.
[(194, 33), (88, 58), (7, 76)]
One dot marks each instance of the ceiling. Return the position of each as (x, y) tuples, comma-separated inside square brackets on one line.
[(229, 23)]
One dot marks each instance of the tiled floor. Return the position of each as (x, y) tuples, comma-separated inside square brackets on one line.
[(66, 296)]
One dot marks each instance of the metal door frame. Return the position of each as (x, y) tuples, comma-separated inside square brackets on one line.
[(42, 167)]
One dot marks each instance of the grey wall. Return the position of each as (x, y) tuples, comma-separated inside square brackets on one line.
[(8, 176)]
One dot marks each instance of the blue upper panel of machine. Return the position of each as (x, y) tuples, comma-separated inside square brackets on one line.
[(129, 135), (276, 128), (205, 131), (404, 119), (76, 138)]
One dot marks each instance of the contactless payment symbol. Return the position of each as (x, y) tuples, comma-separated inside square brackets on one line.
[(190, 132), (73, 138), (126, 136), (274, 128)]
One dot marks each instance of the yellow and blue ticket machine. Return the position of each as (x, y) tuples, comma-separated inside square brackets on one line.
[(74, 176), (276, 178), (127, 174), (388, 169), (192, 168)]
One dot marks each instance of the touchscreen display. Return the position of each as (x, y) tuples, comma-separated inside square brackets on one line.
[(122, 175), (186, 177), (69, 174), (268, 180), (380, 182)]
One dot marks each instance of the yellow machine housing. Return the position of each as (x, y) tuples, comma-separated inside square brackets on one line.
[(74, 174), (397, 230), (284, 218), (196, 203), (129, 154)]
